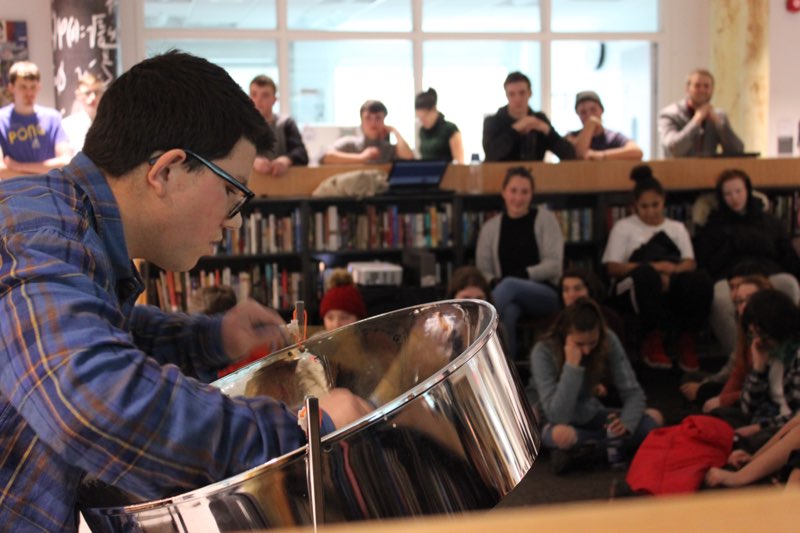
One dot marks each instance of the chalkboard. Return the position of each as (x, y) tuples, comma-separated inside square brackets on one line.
[(84, 40)]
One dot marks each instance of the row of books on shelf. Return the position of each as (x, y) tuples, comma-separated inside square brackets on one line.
[(381, 228), (265, 233), (273, 286), (577, 225)]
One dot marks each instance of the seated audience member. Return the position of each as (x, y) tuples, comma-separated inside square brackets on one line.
[(740, 230), (517, 133), (31, 137), (521, 253), (771, 391), (769, 459), (87, 95), (342, 303), (438, 138), (693, 127), (581, 283), (595, 142), (578, 353), (651, 259), (469, 282), (289, 149), (724, 388), (373, 144)]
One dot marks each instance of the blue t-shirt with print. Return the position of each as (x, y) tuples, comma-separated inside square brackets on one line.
[(30, 138)]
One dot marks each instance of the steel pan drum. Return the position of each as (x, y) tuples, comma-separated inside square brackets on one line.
[(451, 431)]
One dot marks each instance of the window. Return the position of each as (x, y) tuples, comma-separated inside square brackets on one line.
[(604, 16), (242, 59), (480, 16), (468, 77), (234, 14), (349, 15), (334, 54)]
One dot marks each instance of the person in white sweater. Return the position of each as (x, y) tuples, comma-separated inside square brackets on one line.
[(521, 253)]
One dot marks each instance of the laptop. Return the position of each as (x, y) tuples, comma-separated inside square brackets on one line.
[(416, 177)]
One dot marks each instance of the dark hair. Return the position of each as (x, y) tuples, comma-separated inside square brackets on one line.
[(589, 279), (518, 172), (734, 174), (468, 276), (583, 315), (772, 313), (262, 80), (642, 175), (426, 99), (373, 106), (173, 100), (515, 77), (748, 267)]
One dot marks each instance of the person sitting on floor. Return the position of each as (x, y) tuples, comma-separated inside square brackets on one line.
[(771, 391), (576, 355), (652, 262), (723, 388), (770, 458)]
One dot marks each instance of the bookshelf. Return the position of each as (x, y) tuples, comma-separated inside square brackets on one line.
[(285, 240)]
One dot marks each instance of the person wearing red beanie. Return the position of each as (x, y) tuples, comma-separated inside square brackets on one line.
[(342, 303)]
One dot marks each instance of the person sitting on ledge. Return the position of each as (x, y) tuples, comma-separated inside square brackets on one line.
[(373, 143), (594, 141), (517, 133)]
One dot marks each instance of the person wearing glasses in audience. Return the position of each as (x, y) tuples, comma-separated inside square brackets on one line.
[(32, 139), (87, 96), (93, 386), (373, 143), (595, 142)]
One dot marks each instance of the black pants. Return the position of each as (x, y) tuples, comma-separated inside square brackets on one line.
[(687, 302)]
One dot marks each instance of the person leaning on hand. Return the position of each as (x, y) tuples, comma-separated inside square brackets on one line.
[(595, 142), (91, 385)]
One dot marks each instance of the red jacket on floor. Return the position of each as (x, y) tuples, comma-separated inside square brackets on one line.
[(675, 459)]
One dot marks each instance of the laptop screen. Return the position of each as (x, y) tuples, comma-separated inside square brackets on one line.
[(416, 174)]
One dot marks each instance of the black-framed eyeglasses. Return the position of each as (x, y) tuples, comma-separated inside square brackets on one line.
[(233, 182)]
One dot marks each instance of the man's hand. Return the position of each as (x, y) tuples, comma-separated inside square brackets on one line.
[(344, 407), (280, 165), (262, 165), (595, 123), (249, 325), (370, 153), (705, 111), (529, 123)]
